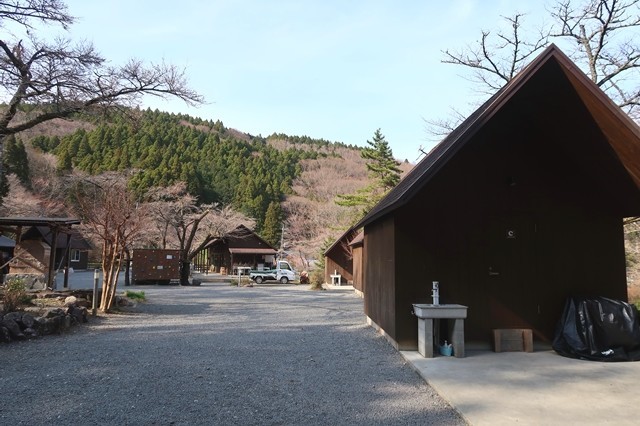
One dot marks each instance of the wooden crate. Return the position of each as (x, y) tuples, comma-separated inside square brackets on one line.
[(513, 340)]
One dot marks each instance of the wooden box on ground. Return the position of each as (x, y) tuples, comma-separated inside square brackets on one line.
[(155, 266), (513, 340)]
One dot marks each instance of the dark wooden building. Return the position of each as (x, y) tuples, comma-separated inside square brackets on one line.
[(7, 246), (338, 259), (518, 208), (357, 244), (240, 247), (32, 259), (78, 248)]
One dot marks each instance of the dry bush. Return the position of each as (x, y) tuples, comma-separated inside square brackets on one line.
[(14, 294)]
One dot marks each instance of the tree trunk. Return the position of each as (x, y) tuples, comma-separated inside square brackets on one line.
[(110, 272), (127, 268), (185, 266)]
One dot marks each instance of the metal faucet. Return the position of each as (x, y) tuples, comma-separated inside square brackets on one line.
[(435, 293)]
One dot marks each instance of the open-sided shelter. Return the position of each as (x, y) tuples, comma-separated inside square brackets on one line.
[(40, 240), (338, 258), (28, 259), (518, 208), (240, 247)]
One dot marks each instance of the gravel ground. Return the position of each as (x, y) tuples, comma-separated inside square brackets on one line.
[(219, 355)]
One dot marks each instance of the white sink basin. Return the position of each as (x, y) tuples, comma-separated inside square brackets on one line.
[(425, 310)]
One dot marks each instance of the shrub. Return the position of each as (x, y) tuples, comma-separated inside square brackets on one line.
[(14, 294), (316, 279), (137, 295)]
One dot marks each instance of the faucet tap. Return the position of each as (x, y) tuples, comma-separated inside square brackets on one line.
[(435, 293)]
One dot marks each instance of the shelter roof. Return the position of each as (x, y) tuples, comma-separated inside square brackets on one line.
[(38, 221), (622, 134), (252, 250), (358, 240), (76, 242), (6, 242), (242, 238), (344, 239)]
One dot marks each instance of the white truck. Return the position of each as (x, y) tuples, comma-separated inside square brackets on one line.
[(283, 272)]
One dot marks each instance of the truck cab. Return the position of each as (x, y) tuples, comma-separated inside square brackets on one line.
[(282, 272)]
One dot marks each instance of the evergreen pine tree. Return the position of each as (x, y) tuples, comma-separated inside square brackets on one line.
[(382, 167), (383, 171), (271, 228), (64, 162), (15, 160)]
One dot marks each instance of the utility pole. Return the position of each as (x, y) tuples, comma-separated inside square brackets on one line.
[(282, 239)]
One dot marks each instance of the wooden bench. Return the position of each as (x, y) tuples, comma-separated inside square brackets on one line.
[(513, 340)]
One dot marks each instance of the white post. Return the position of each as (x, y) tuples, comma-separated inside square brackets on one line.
[(94, 303)]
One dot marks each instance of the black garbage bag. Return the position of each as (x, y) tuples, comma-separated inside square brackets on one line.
[(598, 329)]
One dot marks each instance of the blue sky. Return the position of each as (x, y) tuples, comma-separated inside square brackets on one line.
[(328, 69)]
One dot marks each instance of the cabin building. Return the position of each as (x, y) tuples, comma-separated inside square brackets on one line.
[(239, 248), (518, 208)]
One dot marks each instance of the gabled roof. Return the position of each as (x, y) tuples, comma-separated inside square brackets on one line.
[(344, 239), (77, 241), (620, 131), (358, 240), (39, 221), (242, 238)]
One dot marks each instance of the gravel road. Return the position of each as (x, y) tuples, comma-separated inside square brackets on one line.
[(219, 355)]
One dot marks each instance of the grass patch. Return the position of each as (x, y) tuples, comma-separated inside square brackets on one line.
[(136, 295)]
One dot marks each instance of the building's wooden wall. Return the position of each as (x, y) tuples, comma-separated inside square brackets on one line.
[(339, 260), (357, 267), (379, 270)]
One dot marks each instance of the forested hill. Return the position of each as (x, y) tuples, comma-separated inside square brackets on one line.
[(218, 164)]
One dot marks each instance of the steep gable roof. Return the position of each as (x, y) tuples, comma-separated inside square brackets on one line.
[(343, 240), (620, 131), (244, 240)]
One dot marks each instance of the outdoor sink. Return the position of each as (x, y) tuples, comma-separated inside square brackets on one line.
[(428, 314), (430, 311)]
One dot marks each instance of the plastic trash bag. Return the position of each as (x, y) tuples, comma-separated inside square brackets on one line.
[(598, 329)]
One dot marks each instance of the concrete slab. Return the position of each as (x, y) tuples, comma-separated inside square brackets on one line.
[(542, 387)]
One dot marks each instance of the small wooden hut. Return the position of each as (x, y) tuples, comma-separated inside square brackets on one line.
[(338, 259), (518, 208), (240, 247)]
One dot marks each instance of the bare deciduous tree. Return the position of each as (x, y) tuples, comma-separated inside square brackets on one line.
[(496, 60), (62, 78), (602, 36), (110, 214), (23, 202), (194, 225)]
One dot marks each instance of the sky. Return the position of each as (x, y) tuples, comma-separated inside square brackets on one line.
[(330, 69)]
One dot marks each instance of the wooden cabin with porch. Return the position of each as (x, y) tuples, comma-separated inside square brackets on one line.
[(239, 248), (518, 208)]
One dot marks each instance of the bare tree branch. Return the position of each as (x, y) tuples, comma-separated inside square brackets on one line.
[(63, 78), (496, 60), (24, 12), (600, 31), (604, 44)]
